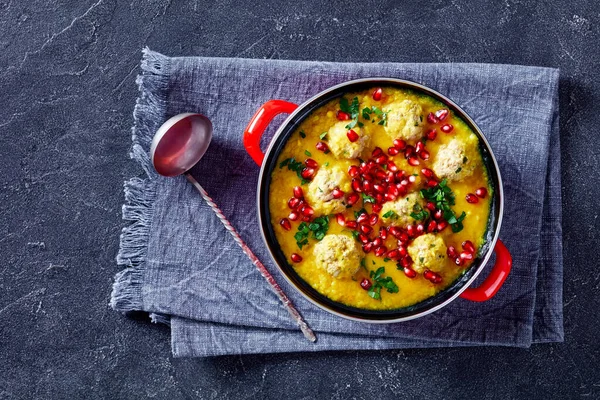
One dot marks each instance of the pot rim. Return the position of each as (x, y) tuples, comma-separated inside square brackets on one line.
[(463, 115)]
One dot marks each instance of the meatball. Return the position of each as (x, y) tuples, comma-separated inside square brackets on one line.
[(404, 120), (428, 252), (397, 212), (341, 146), (453, 161), (320, 190), (339, 255)]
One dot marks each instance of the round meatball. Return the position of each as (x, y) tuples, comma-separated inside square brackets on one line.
[(453, 161), (428, 252), (404, 120), (320, 190), (397, 212), (341, 146), (339, 255)]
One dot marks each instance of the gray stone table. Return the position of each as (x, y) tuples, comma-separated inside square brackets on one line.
[(67, 68)]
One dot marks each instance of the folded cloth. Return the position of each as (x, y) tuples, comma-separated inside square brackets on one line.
[(184, 268)]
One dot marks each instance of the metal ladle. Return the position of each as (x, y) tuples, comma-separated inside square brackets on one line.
[(176, 147)]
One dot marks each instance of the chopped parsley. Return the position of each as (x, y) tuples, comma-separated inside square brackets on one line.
[(357, 213), (419, 213), (295, 166), (318, 227), (390, 214), (367, 199), (307, 153), (326, 164), (363, 265), (352, 110), (443, 198), (370, 113), (379, 282), (323, 136), (302, 134)]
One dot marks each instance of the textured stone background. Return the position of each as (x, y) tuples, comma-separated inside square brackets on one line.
[(68, 69)]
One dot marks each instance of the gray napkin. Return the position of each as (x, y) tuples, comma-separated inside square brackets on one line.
[(185, 269)]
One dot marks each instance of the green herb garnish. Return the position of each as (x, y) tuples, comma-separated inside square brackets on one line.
[(379, 282), (443, 198), (295, 166), (302, 134), (352, 110), (370, 113), (318, 227), (390, 214), (419, 213), (307, 153), (323, 136), (367, 199)]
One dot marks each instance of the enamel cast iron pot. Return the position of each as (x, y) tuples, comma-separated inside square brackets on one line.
[(268, 162)]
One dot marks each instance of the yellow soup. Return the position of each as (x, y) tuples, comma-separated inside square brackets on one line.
[(381, 199)]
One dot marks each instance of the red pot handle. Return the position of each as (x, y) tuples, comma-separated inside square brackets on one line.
[(259, 123), (495, 279)]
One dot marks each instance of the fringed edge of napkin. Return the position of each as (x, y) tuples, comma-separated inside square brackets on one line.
[(140, 193)]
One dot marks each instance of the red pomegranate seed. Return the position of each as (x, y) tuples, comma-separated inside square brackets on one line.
[(352, 199), (432, 276), (341, 220), (322, 146), (363, 217), (431, 227), (442, 225), (366, 229), (408, 271), (379, 251), (468, 246), (367, 186), (402, 252), (337, 193), (432, 183), (383, 233), (390, 177), (377, 242), (419, 147), (310, 163), (379, 188), (471, 198), (409, 151), (393, 254), (438, 214), (293, 216), (342, 116), (356, 185), (391, 166), (404, 237), (351, 224), (373, 219), (379, 198), (365, 284), (447, 128), (352, 136), (424, 154), (432, 119), (353, 171), (430, 206), (364, 239), (406, 262), (394, 231), (390, 197), (427, 173), (377, 208), (296, 257), (414, 161), (411, 231), (285, 224), (451, 252), (399, 144), (431, 135), (481, 192), (381, 160), (293, 203), (412, 179), (459, 261), (466, 256), (298, 193), (380, 174), (308, 173), (402, 190), (367, 247), (393, 191), (420, 228), (377, 151), (441, 114), (377, 94), (392, 151), (307, 211)]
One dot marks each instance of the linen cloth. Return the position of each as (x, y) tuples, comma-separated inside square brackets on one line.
[(184, 268)]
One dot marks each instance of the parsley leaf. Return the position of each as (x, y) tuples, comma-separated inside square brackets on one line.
[(351, 109), (307, 153), (443, 197), (380, 282), (390, 214), (323, 136), (367, 199), (302, 134), (318, 227), (295, 166)]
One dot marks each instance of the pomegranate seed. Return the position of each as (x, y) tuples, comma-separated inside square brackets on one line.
[(432, 119), (377, 242), (307, 211), (431, 135), (481, 192), (293, 216), (367, 186), (306, 218), (352, 199), (293, 203), (356, 185), (383, 233), (412, 179), (377, 208), (377, 152), (392, 254), (352, 136), (432, 183), (402, 252), (442, 225), (420, 228), (308, 173), (419, 147), (404, 237), (366, 229), (411, 231), (432, 276), (427, 173), (451, 252), (438, 214), (424, 154), (379, 251), (414, 161), (351, 224), (298, 193), (390, 177), (342, 116), (408, 271), (310, 163), (447, 128), (459, 261), (341, 220), (337, 193), (394, 231), (301, 204), (431, 227), (353, 171), (468, 246), (322, 146), (373, 219), (381, 174), (367, 247), (377, 94), (393, 191), (365, 284), (285, 224), (364, 168), (430, 206), (466, 256), (381, 160), (409, 151), (363, 238), (392, 166), (362, 218), (296, 257), (392, 151), (402, 190), (441, 114), (399, 144), (406, 262), (379, 188), (389, 197), (379, 198), (471, 198)]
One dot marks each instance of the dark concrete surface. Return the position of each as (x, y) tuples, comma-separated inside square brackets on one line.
[(67, 69)]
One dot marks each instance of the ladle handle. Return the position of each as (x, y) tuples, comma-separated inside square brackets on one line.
[(287, 303)]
